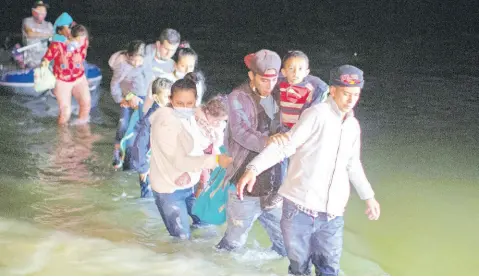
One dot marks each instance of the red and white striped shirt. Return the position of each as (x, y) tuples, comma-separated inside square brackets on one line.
[(292, 99)]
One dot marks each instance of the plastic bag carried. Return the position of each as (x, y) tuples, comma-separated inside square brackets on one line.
[(210, 205), (43, 79)]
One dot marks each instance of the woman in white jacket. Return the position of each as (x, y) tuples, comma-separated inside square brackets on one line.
[(174, 151)]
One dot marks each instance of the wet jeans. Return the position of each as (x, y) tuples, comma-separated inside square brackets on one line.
[(175, 210), (240, 218), (311, 240), (125, 114), (124, 121)]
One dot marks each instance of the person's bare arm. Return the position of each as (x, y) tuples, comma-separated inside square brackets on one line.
[(32, 34)]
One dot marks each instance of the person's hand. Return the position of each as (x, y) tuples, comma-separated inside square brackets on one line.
[(224, 160), (143, 176), (248, 179), (124, 103), (134, 101), (372, 209), (183, 180), (280, 139), (204, 177)]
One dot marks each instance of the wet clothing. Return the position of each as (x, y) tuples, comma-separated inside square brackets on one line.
[(124, 122), (241, 214), (33, 56), (175, 210), (311, 240)]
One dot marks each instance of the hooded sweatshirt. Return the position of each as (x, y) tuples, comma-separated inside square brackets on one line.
[(127, 78)]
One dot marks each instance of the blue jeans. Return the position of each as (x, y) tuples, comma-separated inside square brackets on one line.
[(124, 121), (145, 189), (311, 240), (175, 208), (240, 218), (125, 114)]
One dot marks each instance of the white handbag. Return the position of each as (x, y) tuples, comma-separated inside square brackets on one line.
[(43, 79)]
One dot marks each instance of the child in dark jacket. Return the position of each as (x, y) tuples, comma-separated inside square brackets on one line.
[(140, 154)]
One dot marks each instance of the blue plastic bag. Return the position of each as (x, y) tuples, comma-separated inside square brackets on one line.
[(210, 206)]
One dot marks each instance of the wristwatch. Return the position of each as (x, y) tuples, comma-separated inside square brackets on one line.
[(252, 168)]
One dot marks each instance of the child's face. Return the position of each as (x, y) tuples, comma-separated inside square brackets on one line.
[(81, 39), (295, 69), (163, 97), (186, 64), (184, 98), (135, 61), (216, 121)]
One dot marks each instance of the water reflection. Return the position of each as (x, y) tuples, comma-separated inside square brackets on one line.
[(73, 152)]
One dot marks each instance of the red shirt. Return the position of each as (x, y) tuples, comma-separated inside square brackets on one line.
[(292, 100), (67, 66)]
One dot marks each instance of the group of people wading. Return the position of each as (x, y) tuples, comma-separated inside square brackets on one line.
[(291, 146), (287, 142)]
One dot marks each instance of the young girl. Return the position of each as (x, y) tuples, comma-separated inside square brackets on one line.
[(69, 71), (79, 38), (174, 152), (140, 152), (128, 88)]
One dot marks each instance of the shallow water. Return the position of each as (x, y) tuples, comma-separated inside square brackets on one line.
[(64, 210)]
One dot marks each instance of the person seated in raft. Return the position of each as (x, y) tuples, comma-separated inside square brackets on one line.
[(36, 30), (174, 152)]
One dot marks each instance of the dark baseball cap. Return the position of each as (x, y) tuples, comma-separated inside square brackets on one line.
[(262, 61), (40, 4), (346, 76)]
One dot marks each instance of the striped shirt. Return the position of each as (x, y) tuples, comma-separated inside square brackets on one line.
[(292, 100)]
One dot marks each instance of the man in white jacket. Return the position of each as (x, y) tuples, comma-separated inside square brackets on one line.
[(324, 147)]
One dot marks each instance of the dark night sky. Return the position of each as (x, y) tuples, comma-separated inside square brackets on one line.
[(378, 22), (406, 16)]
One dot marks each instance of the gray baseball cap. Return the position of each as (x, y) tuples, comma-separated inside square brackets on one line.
[(263, 60)]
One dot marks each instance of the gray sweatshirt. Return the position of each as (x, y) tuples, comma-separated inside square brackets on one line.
[(127, 78)]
